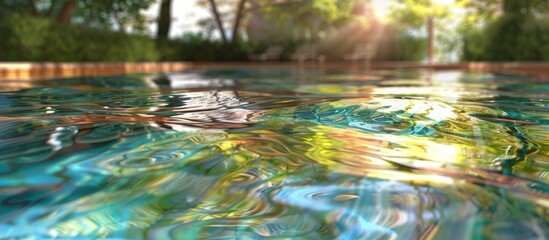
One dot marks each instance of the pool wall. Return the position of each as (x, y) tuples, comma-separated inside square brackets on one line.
[(32, 70)]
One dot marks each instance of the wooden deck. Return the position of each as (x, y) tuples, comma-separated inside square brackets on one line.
[(25, 70)]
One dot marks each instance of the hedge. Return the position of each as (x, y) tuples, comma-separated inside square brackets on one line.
[(510, 38), (25, 38), (196, 47)]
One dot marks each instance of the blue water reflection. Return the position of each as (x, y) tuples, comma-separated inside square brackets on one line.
[(276, 153)]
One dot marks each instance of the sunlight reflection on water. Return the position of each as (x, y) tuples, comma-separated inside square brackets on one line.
[(313, 154)]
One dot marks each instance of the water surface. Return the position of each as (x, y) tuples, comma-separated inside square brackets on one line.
[(282, 154)]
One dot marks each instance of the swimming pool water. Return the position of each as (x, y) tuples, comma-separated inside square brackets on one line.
[(279, 153)]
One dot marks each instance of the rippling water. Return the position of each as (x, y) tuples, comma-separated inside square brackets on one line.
[(287, 154)]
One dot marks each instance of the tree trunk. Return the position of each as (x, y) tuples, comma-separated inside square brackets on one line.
[(218, 21), (33, 9), (66, 12), (238, 19), (121, 25), (165, 20), (431, 36)]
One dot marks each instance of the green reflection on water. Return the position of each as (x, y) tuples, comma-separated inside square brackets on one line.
[(249, 154)]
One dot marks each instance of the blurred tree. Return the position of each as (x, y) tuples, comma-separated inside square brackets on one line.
[(27, 38), (524, 7), (64, 16), (490, 9), (61, 10), (308, 16), (419, 14), (238, 19), (124, 14), (506, 30), (232, 10), (218, 21), (164, 19), (482, 12), (479, 12), (311, 16), (415, 13)]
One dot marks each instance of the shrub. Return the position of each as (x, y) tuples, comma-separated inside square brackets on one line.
[(403, 47), (197, 47), (510, 38), (27, 38)]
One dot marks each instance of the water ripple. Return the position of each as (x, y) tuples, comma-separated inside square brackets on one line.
[(300, 154)]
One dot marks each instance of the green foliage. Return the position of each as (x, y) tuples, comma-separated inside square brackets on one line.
[(305, 12), (311, 15), (102, 14), (510, 38), (105, 14), (519, 33), (414, 13), (526, 7), (39, 39), (198, 47), (401, 46), (8, 6), (23, 38)]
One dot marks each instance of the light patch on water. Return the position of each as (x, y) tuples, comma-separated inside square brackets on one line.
[(249, 154)]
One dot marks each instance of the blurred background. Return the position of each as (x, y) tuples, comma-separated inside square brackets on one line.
[(441, 31)]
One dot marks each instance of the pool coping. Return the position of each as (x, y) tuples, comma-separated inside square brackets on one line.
[(46, 70)]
